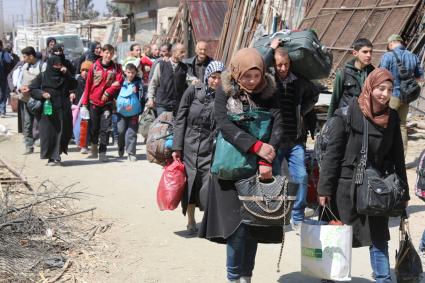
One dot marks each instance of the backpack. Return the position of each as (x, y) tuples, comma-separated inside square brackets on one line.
[(324, 136), (159, 134), (409, 88), (128, 102), (420, 179)]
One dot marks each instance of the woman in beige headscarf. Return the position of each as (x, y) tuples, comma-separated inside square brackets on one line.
[(244, 86), (385, 153)]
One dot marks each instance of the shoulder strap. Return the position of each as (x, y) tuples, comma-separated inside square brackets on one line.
[(396, 57), (361, 166)]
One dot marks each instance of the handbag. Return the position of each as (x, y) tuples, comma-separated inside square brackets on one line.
[(377, 194), (266, 203), (146, 120), (229, 162), (408, 266)]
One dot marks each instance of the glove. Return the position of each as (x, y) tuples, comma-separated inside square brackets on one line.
[(84, 113)]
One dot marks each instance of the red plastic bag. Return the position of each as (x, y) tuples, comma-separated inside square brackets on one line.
[(171, 186)]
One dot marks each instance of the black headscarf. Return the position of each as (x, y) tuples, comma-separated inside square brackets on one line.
[(90, 55), (53, 77), (50, 39), (59, 48)]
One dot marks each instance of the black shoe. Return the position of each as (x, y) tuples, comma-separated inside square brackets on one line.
[(121, 152), (28, 150)]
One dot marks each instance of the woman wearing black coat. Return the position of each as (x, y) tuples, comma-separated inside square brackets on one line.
[(54, 84), (244, 86), (194, 131), (385, 153)]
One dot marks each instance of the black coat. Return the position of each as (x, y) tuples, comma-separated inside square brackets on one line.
[(193, 68), (385, 153), (222, 216), (60, 123), (194, 135)]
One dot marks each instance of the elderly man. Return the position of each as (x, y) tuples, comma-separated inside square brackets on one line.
[(412, 65), (168, 82), (198, 63)]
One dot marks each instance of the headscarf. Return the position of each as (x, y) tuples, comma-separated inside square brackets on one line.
[(50, 39), (377, 77), (59, 48), (245, 60), (213, 67), (53, 77), (90, 55)]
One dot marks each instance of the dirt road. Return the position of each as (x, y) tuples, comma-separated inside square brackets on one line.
[(146, 245)]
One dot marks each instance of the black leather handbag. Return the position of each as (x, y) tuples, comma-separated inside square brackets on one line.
[(377, 194), (266, 203)]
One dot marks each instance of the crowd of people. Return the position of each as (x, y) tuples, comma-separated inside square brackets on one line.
[(201, 92)]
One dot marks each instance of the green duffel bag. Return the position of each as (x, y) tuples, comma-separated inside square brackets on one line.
[(309, 57), (230, 163)]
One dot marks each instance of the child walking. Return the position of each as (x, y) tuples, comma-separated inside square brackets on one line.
[(128, 109), (103, 83)]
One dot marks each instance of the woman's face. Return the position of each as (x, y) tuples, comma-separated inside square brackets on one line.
[(214, 80), (382, 93), (57, 66), (251, 79)]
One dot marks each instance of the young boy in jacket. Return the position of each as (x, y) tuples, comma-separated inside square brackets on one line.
[(349, 80), (128, 110), (103, 84)]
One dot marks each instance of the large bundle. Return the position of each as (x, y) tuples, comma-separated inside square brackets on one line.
[(159, 132), (308, 56)]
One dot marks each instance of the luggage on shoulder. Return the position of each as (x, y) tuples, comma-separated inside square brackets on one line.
[(308, 56), (159, 132), (409, 87), (420, 178)]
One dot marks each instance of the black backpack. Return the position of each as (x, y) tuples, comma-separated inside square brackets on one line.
[(420, 179), (409, 88), (323, 137)]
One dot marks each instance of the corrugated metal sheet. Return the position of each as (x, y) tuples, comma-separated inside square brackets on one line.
[(339, 23), (207, 18)]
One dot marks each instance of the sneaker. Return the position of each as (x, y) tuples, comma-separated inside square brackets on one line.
[(53, 162), (94, 151), (3, 115), (28, 150), (296, 227), (191, 229), (37, 142), (121, 152), (84, 150), (103, 157), (308, 212), (132, 158)]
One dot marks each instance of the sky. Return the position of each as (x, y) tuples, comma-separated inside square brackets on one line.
[(23, 7)]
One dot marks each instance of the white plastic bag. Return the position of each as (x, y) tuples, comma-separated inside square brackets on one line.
[(326, 251), (84, 113)]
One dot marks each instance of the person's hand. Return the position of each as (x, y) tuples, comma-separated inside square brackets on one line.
[(72, 97), (24, 89), (265, 172), (275, 43), (177, 155), (46, 95), (324, 200), (267, 152), (64, 70), (104, 98), (194, 82), (150, 103)]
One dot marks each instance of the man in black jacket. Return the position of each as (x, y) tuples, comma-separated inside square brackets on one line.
[(168, 82), (297, 97), (198, 63)]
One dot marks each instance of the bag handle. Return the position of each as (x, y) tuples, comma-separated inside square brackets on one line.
[(363, 154)]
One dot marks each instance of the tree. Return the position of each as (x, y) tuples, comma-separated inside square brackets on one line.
[(87, 11)]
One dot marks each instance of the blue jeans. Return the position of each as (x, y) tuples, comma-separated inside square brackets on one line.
[(295, 157), (422, 243), (115, 126), (4, 93), (241, 251), (380, 262)]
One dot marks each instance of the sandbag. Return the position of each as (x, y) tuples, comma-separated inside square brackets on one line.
[(309, 57), (159, 131)]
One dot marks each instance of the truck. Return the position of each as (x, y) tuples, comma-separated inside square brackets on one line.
[(36, 36)]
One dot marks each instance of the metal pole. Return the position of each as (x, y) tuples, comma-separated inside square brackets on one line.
[(1, 19), (32, 12), (37, 19)]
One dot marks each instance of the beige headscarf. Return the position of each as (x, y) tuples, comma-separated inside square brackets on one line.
[(245, 60), (377, 77)]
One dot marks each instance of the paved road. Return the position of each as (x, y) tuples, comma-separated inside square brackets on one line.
[(151, 246)]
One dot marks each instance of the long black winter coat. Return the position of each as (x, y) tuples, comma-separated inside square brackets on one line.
[(222, 216), (194, 135), (385, 153)]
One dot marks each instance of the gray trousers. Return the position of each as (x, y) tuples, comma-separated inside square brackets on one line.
[(127, 133), (28, 127)]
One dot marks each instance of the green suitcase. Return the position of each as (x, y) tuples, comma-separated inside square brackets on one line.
[(309, 57)]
